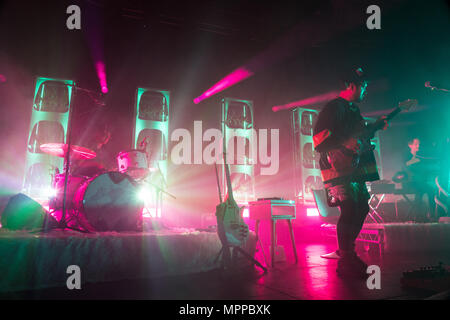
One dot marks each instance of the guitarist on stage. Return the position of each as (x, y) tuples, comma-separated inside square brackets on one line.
[(345, 166)]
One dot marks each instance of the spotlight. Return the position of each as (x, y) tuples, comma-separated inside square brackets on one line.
[(49, 193), (307, 102), (101, 74), (144, 194), (231, 79)]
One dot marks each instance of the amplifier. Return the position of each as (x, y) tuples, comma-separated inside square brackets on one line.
[(382, 188), (272, 209)]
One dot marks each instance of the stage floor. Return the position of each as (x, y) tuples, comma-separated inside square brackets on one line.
[(179, 265), (30, 261), (312, 278)]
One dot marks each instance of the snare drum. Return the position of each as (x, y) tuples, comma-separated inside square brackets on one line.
[(134, 163)]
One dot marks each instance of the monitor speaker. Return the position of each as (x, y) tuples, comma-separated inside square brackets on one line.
[(23, 213)]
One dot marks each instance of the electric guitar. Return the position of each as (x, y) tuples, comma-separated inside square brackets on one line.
[(231, 227), (362, 157)]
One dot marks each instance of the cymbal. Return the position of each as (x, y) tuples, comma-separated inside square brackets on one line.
[(60, 150)]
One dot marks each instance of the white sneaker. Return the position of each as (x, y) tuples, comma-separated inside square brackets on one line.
[(332, 255)]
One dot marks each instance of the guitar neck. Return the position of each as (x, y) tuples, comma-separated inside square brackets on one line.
[(218, 184), (393, 113), (227, 174), (378, 124), (230, 189)]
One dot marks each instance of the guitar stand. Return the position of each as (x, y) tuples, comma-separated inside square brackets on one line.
[(226, 259)]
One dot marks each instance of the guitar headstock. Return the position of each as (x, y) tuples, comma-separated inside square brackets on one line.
[(408, 104)]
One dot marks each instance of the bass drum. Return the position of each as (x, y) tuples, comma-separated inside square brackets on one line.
[(109, 202)]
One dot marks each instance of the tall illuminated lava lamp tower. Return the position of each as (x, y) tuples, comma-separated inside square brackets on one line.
[(152, 122), (238, 134), (52, 102), (306, 161)]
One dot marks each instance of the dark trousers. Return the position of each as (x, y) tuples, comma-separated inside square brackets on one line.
[(353, 214), (421, 210)]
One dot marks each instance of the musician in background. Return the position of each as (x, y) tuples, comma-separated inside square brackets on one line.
[(420, 172), (334, 138), (104, 156), (103, 161)]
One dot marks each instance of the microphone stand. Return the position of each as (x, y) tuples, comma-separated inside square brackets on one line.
[(62, 222), (143, 145), (161, 189), (428, 85), (441, 89)]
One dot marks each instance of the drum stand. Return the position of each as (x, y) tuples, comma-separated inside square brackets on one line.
[(63, 222), (160, 190), (158, 198)]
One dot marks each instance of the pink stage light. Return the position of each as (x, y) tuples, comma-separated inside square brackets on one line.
[(312, 212), (308, 101), (233, 78), (100, 67)]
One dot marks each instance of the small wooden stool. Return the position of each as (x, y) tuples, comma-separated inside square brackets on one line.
[(274, 210)]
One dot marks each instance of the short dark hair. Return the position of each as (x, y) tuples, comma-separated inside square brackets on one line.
[(356, 76), (411, 140)]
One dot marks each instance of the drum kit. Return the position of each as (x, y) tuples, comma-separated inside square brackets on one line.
[(105, 201)]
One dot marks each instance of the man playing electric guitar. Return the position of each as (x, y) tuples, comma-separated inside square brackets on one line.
[(345, 163)]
